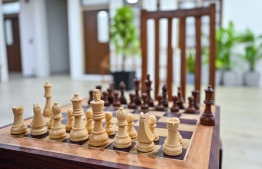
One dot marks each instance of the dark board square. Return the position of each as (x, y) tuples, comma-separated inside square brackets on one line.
[(161, 125), (180, 157), (160, 141), (38, 137), (71, 142), (168, 114), (111, 147), (186, 134), (188, 121)]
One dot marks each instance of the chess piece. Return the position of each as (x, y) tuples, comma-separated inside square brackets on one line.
[(207, 117), (19, 126), (111, 91), (171, 146), (122, 139), (90, 96), (144, 137), (152, 126), (38, 124), (98, 137), (160, 106), (58, 129), (116, 100), (148, 91), (71, 120), (132, 104), (130, 126), (100, 88), (78, 132), (174, 108), (180, 101), (164, 94), (191, 109), (122, 98), (195, 94), (48, 94), (89, 121), (109, 128), (144, 105), (51, 120), (105, 96), (137, 97)]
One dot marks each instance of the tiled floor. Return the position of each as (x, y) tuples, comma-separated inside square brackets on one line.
[(241, 121)]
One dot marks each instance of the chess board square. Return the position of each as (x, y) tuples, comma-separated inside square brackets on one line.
[(188, 121), (111, 147), (189, 116), (186, 134), (161, 153), (168, 114), (38, 137)]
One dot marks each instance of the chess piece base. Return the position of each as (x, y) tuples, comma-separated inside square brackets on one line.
[(145, 147), (79, 134), (19, 129), (98, 139), (68, 127), (174, 109), (207, 120), (160, 108), (132, 133), (57, 133), (174, 150), (110, 132), (190, 111), (38, 131), (121, 144)]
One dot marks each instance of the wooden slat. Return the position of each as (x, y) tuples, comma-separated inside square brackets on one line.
[(182, 45), (212, 46), (198, 56), (169, 60), (143, 39), (156, 58)]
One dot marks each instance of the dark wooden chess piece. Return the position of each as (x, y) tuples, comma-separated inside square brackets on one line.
[(160, 106), (105, 96), (207, 117), (90, 96), (132, 104), (122, 98), (175, 107), (164, 94), (110, 96), (100, 88), (144, 105), (180, 101), (137, 97), (191, 109), (116, 100), (195, 94), (148, 91)]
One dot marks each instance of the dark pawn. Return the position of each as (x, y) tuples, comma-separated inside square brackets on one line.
[(174, 108), (191, 109), (137, 97), (116, 100), (122, 98), (148, 90), (132, 104), (100, 88), (164, 94), (110, 97), (144, 105), (180, 101), (160, 106), (195, 94), (90, 96), (105, 96), (207, 117)]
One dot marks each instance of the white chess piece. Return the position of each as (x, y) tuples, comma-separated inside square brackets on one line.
[(152, 126), (38, 124), (71, 120), (48, 94), (145, 137), (130, 126), (172, 146), (109, 128), (57, 130), (19, 126), (122, 139), (89, 121)]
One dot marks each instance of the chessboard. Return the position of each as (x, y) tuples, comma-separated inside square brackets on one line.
[(200, 146)]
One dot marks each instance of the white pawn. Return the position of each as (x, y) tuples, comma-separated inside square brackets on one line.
[(57, 130), (70, 119), (89, 121), (171, 146), (122, 139), (38, 124), (130, 126), (152, 126), (51, 120), (109, 128), (19, 125)]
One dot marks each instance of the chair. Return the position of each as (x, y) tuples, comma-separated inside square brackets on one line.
[(181, 14)]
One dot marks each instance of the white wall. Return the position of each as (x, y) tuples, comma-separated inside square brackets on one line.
[(244, 14), (3, 55), (57, 25), (33, 32)]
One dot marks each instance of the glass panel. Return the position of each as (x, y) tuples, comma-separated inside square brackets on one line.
[(9, 32), (11, 8), (102, 27)]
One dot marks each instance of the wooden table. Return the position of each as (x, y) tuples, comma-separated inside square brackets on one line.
[(24, 152)]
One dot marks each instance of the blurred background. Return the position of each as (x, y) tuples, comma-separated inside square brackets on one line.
[(68, 42)]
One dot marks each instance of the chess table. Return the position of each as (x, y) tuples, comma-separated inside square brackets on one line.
[(201, 148)]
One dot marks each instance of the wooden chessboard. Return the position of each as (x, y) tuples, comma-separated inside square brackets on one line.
[(200, 146)]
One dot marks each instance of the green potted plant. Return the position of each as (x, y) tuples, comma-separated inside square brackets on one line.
[(190, 66), (125, 40), (252, 54)]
